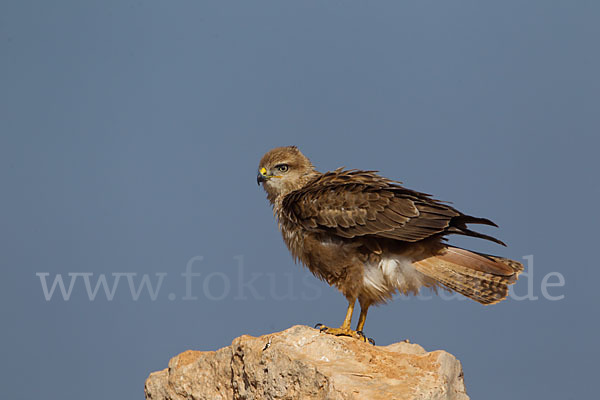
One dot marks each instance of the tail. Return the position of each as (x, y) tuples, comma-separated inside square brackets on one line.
[(480, 277)]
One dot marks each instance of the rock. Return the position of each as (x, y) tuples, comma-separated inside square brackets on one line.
[(302, 363)]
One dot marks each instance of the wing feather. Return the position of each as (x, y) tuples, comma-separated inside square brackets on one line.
[(351, 203)]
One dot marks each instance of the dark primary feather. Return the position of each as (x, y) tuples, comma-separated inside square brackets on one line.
[(351, 203)]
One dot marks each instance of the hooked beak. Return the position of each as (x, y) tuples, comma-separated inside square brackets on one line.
[(262, 176)]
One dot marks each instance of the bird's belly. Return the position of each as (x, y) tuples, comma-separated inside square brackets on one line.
[(392, 273), (331, 259)]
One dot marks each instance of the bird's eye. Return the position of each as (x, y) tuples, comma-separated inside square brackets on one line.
[(282, 167)]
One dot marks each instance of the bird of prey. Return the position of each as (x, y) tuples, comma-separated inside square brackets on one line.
[(370, 237)]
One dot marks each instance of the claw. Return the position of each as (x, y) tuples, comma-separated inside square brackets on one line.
[(344, 332), (361, 336), (364, 338)]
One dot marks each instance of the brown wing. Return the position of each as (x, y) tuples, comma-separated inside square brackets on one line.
[(351, 203)]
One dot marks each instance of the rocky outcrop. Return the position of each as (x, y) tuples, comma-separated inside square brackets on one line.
[(302, 363)]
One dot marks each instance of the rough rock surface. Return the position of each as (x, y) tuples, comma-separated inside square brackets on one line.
[(302, 363)]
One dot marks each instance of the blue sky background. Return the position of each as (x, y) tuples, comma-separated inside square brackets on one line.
[(130, 133)]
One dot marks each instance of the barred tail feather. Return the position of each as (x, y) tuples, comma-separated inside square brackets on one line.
[(481, 277)]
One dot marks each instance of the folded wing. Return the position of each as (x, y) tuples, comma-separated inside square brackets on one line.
[(354, 203)]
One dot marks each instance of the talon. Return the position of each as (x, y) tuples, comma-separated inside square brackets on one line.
[(361, 336), (344, 332)]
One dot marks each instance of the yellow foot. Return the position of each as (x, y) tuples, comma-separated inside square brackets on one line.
[(344, 332)]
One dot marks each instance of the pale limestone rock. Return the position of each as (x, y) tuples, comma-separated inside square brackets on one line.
[(302, 363)]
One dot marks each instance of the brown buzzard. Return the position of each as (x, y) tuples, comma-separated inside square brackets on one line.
[(371, 237)]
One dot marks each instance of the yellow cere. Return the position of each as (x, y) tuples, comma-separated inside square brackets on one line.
[(263, 171)]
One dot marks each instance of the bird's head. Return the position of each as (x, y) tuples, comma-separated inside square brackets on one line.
[(284, 169)]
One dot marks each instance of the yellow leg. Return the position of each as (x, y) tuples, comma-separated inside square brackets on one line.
[(348, 319), (345, 330), (362, 318)]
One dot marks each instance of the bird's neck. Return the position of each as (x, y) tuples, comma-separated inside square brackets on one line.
[(275, 197)]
